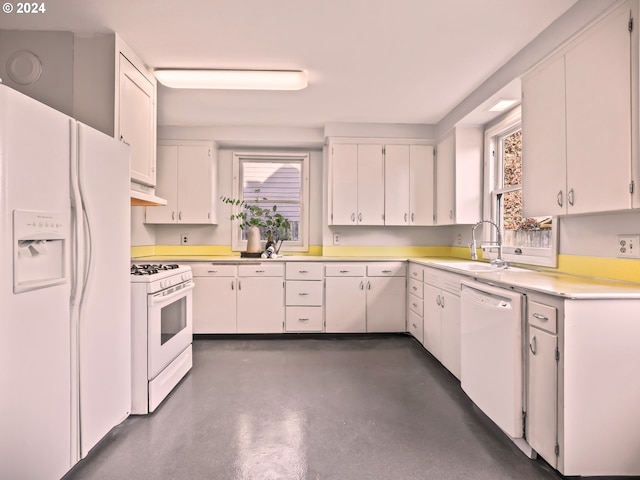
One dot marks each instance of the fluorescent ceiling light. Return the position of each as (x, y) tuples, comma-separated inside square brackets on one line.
[(233, 79), (501, 105)]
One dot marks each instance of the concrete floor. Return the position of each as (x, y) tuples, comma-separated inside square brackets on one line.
[(312, 408)]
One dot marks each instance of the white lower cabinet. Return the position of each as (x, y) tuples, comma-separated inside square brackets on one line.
[(542, 392), (442, 317), (304, 297), (364, 297), (214, 298), (260, 305), (582, 389)]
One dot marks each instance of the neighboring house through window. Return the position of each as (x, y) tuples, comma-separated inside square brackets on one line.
[(280, 179)]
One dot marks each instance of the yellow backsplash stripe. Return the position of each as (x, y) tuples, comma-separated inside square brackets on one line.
[(612, 268)]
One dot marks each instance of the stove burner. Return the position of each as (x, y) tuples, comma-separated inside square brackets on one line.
[(150, 269)]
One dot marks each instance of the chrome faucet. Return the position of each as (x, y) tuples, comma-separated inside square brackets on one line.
[(498, 262)]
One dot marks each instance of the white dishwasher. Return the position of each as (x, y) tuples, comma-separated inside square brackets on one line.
[(492, 353)]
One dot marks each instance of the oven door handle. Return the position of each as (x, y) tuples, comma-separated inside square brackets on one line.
[(158, 298)]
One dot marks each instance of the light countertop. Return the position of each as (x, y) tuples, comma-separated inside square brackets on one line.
[(525, 279)]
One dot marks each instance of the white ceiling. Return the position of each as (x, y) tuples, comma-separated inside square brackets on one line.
[(382, 61)]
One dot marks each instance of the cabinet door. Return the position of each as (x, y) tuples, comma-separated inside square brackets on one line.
[(214, 305), (445, 173), (542, 394), (344, 181), (370, 185), (421, 184), (450, 306), (260, 305), (166, 188), (386, 304), (396, 184), (136, 125), (599, 119), (194, 184), (345, 305), (432, 321), (544, 172)]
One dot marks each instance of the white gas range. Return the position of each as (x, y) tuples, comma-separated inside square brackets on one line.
[(161, 314)]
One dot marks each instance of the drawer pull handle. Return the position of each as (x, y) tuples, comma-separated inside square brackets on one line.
[(415, 288), (344, 271), (260, 271), (414, 326), (303, 271), (415, 305), (212, 272), (533, 345), (538, 316), (232, 282), (303, 319), (302, 294), (386, 271), (415, 274)]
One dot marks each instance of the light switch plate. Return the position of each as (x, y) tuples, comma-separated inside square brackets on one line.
[(629, 246)]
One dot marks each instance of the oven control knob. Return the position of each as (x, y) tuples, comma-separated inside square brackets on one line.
[(164, 283), (185, 277)]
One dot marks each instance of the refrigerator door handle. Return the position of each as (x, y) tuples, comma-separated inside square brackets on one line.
[(77, 266)]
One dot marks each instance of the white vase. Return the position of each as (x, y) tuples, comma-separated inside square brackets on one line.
[(253, 240)]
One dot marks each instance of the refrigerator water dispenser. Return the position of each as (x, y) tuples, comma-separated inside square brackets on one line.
[(39, 240)]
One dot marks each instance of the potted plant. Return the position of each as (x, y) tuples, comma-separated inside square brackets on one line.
[(257, 219)]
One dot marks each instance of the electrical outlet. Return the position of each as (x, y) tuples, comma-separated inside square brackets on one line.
[(459, 239), (336, 239), (629, 246), (184, 239)]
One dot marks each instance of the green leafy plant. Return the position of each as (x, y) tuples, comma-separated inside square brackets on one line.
[(268, 220)]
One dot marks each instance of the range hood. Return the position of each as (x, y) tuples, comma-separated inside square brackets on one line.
[(144, 196)]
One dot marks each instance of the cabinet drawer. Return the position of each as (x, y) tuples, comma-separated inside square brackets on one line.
[(542, 316), (395, 269), (415, 304), (416, 271), (415, 326), (261, 270), (416, 288), (299, 292), (209, 270), (303, 319), (345, 270), (304, 271)]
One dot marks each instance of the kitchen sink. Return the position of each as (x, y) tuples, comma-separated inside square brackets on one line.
[(477, 267)]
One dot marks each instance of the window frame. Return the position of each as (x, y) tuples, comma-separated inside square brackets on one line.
[(502, 127), (302, 244)]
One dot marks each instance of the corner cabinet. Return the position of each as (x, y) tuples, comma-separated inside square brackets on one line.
[(577, 123), (115, 92), (459, 176), (187, 179)]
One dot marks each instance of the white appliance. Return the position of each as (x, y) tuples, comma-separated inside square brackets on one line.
[(491, 349), (65, 334), (162, 316)]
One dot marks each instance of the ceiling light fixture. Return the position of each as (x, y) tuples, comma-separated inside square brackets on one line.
[(501, 105), (233, 79)]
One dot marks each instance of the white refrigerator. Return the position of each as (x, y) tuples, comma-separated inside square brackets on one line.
[(65, 329)]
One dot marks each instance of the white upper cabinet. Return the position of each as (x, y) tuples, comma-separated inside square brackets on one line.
[(357, 184), (136, 121), (187, 180), (459, 177), (577, 124), (408, 184), (376, 182)]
